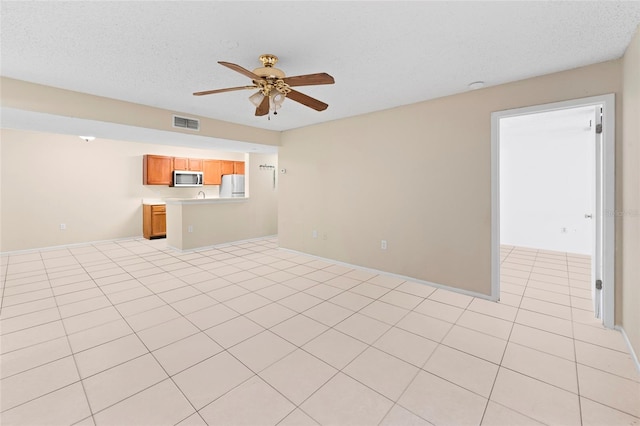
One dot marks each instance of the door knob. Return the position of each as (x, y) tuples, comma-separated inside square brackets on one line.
[(588, 216)]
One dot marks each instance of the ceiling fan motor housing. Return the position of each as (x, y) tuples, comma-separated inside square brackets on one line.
[(268, 70)]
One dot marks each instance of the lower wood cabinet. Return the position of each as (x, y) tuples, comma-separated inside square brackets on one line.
[(154, 221)]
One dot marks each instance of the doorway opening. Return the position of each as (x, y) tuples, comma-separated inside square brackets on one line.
[(552, 186)]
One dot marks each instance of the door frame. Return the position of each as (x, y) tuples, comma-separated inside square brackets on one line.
[(606, 212)]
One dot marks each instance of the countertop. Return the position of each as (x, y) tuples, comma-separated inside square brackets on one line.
[(205, 200), (158, 201), (153, 201)]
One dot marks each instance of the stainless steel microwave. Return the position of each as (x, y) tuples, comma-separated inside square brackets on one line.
[(187, 178)]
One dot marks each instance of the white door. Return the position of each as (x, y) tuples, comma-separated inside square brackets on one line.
[(603, 229), (597, 253)]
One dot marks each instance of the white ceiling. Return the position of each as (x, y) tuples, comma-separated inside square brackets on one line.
[(381, 54)]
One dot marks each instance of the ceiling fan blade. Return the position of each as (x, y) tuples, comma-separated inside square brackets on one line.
[(263, 108), (307, 100), (229, 89), (309, 79), (241, 70)]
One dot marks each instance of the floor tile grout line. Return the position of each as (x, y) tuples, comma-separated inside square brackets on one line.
[(421, 368), (314, 356), (44, 363), (75, 362), (169, 377), (576, 363), (504, 351), (575, 354), (327, 300)]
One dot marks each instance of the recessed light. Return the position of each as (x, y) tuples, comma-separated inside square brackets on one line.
[(476, 85)]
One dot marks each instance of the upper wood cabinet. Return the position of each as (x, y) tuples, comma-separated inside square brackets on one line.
[(157, 170), (227, 167), (193, 164), (232, 167), (212, 170)]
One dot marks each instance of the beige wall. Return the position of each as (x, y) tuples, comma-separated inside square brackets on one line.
[(418, 176), (94, 188), (629, 221)]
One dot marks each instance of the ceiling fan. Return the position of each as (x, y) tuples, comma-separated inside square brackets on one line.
[(273, 87)]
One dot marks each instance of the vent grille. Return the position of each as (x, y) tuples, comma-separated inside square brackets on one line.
[(186, 123)]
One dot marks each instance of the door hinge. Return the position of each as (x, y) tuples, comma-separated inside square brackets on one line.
[(598, 284), (599, 122)]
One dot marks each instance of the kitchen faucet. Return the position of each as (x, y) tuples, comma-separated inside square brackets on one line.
[(203, 195)]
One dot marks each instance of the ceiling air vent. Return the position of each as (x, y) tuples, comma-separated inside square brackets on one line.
[(186, 123)]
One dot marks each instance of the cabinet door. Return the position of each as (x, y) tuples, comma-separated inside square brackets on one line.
[(180, 163), (227, 167), (212, 170), (154, 221), (159, 224), (157, 170), (238, 167), (195, 164)]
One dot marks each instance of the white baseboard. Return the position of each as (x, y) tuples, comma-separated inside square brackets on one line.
[(634, 356)]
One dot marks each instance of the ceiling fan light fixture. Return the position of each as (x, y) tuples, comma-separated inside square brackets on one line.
[(256, 98), (275, 101)]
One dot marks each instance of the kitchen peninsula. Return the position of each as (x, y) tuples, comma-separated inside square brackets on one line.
[(197, 222), (224, 214)]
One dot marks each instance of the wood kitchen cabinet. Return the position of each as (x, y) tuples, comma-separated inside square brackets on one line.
[(232, 167), (238, 167), (227, 167), (154, 221), (212, 170), (157, 170), (192, 164)]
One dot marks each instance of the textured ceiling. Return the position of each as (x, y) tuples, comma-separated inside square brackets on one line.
[(381, 54)]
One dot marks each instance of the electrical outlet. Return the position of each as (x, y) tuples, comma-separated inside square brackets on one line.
[(383, 244), (563, 230), (190, 228), (314, 234), (63, 226)]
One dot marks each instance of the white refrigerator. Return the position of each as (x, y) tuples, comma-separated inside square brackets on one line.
[(232, 186)]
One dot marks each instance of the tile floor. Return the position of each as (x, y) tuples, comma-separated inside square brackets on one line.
[(132, 333)]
